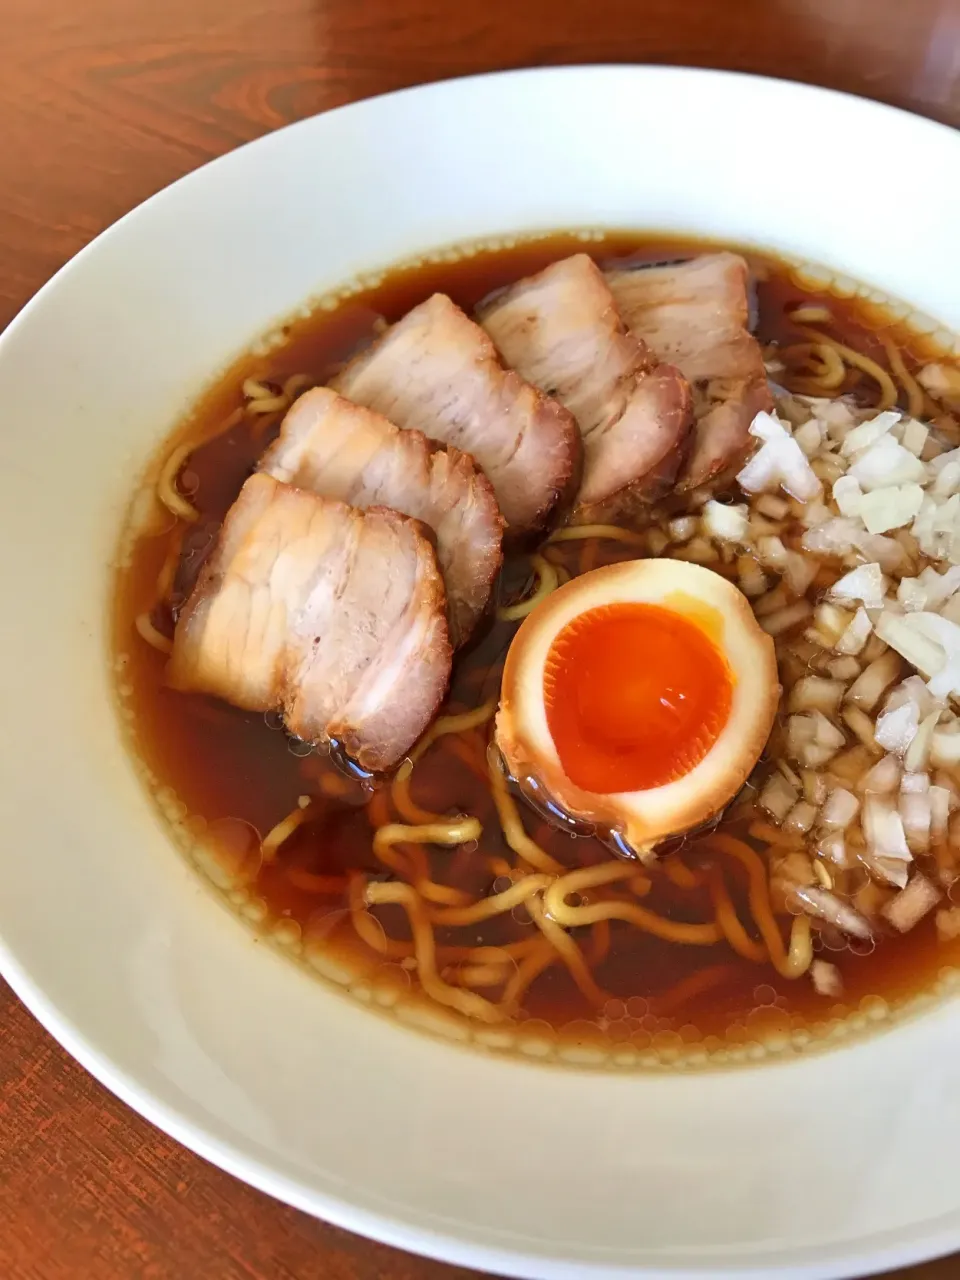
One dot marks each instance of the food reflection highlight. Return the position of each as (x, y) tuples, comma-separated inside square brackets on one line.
[(582, 821)]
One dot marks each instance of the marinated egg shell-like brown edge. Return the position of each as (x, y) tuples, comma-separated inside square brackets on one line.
[(719, 609)]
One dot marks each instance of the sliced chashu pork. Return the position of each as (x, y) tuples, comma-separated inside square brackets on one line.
[(341, 450), (561, 330), (437, 371), (696, 314), (336, 617)]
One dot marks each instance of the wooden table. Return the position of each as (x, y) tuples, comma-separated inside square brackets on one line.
[(102, 102)]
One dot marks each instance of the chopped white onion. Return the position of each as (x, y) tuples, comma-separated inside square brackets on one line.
[(884, 777), (886, 840), (846, 668), (847, 494), (856, 634), (826, 979), (912, 903), (833, 847), (778, 797), (682, 529), (900, 633), (945, 747), (941, 805), (868, 433), (801, 818), (914, 809), (890, 508), (840, 809), (918, 753), (885, 464), (914, 436), (897, 729), (778, 461), (814, 693), (827, 906), (726, 524), (865, 583), (868, 688)]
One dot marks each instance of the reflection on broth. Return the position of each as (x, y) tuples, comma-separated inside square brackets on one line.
[(497, 913)]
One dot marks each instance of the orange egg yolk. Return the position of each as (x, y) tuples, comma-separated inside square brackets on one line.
[(635, 696)]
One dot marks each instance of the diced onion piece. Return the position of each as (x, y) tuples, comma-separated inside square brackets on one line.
[(917, 754), (897, 729), (847, 494), (884, 777), (865, 583), (840, 809), (945, 747), (814, 693), (834, 537), (726, 524), (885, 464), (915, 810), (890, 508), (799, 572), (947, 481), (772, 552), (833, 847), (939, 587), (868, 433), (914, 436), (913, 689), (941, 806), (888, 852), (784, 619), (778, 797), (768, 504), (812, 739), (862, 726), (801, 818), (826, 979), (779, 460), (941, 380), (868, 688), (809, 437), (901, 634), (856, 634), (912, 595), (682, 529), (827, 906), (814, 787), (832, 621), (753, 581), (846, 668), (912, 903), (946, 635)]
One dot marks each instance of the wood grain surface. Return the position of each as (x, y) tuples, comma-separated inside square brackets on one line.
[(103, 102)]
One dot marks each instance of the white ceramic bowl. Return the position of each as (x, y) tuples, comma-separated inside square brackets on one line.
[(830, 1166)]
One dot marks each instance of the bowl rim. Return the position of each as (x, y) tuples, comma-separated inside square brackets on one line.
[(925, 1243)]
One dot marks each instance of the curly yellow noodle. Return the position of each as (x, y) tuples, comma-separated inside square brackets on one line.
[(495, 905), (569, 953), (529, 969), (556, 905), (465, 1002), (368, 928), (147, 631), (856, 360), (811, 315), (574, 532), (167, 490), (679, 873), (477, 975), (284, 829), (789, 963), (313, 882), (695, 984), (454, 724), (599, 941), (171, 561), (547, 581), (417, 870), (916, 401), (404, 804), (509, 816), (811, 353), (729, 922)]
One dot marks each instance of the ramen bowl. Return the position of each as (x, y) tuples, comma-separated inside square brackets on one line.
[(821, 1165)]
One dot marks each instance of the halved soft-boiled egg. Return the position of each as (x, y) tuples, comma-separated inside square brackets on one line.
[(638, 698)]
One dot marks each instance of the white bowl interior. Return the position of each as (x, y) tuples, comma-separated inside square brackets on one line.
[(824, 1166)]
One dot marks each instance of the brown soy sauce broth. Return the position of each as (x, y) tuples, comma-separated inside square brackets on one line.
[(235, 773)]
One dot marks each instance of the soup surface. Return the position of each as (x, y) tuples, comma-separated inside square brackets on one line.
[(287, 832)]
